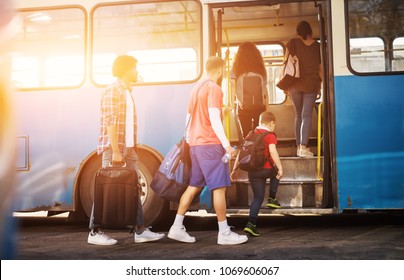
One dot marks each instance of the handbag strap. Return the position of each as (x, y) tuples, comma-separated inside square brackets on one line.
[(292, 50)]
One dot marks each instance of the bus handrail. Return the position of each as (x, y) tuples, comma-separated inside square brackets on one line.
[(229, 97), (320, 108)]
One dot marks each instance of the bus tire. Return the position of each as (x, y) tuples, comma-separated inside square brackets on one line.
[(154, 207)]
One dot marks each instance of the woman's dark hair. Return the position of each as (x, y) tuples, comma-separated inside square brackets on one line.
[(249, 59), (122, 64), (303, 29)]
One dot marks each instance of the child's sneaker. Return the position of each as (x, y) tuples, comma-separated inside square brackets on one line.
[(273, 203), (251, 229), (179, 233), (147, 236), (230, 238), (100, 238)]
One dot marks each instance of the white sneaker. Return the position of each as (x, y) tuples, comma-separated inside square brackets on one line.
[(305, 153), (230, 238), (100, 238), (147, 236), (179, 233)]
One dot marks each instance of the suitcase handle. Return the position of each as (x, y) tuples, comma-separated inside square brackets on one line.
[(117, 164)]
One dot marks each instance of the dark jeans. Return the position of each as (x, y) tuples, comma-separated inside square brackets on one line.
[(258, 184)]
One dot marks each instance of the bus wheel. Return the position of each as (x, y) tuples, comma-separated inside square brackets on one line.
[(86, 183), (154, 207)]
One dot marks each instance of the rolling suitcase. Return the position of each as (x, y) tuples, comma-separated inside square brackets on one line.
[(115, 197)]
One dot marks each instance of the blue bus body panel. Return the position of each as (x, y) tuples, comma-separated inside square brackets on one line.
[(370, 141), (60, 137)]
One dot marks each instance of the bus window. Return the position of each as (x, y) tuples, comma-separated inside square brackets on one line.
[(168, 64), (165, 37), (49, 49), (398, 50), (372, 27), (25, 72), (273, 58), (367, 55), (60, 70)]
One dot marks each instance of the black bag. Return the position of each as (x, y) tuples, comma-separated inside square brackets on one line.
[(251, 156), (251, 92), (172, 177), (116, 197), (290, 71)]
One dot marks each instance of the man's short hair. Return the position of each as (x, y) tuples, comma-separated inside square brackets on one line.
[(122, 64), (214, 63), (267, 117)]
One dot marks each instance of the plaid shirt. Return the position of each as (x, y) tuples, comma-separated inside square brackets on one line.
[(113, 112)]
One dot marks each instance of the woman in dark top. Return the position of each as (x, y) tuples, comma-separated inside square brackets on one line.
[(306, 89)]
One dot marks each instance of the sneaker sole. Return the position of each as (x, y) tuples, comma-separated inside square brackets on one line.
[(174, 237), (251, 232), (102, 244), (273, 206), (306, 156), (144, 240), (232, 242)]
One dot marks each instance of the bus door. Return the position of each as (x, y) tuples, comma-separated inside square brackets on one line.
[(270, 27)]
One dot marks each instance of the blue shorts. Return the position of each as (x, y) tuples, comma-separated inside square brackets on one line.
[(208, 168)]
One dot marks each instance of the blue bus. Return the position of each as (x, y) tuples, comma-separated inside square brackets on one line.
[(61, 63)]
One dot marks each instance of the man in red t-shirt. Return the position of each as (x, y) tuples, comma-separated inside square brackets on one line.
[(208, 144)]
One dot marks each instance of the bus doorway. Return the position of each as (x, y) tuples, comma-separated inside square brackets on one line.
[(303, 188)]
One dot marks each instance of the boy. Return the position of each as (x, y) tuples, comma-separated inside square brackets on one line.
[(272, 169)]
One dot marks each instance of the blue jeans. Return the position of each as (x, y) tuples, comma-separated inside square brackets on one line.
[(304, 104), (131, 159), (258, 184)]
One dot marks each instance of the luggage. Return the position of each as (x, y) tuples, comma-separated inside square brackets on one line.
[(115, 197)]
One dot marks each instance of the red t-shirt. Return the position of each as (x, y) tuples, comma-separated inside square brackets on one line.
[(200, 129), (268, 139)]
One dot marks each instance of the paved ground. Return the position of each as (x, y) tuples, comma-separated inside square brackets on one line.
[(346, 237)]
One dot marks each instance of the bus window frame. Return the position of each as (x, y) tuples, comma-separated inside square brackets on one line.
[(85, 45), (348, 52), (199, 60), (398, 36)]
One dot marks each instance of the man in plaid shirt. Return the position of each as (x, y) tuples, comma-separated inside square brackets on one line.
[(117, 140)]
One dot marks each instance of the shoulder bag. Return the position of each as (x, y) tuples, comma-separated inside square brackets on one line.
[(290, 70), (173, 176)]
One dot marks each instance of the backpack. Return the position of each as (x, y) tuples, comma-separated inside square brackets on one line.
[(251, 92), (251, 156)]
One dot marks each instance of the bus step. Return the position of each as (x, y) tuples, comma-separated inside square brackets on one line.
[(283, 211)]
